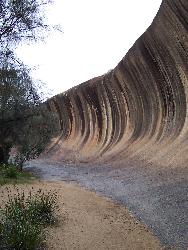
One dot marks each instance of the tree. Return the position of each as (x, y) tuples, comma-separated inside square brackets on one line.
[(15, 103), (24, 121), (21, 19)]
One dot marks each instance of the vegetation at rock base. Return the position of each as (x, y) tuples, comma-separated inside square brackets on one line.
[(10, 174), (25, 122), (24, 217)]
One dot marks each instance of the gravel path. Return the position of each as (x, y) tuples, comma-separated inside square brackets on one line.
[(156, 197)]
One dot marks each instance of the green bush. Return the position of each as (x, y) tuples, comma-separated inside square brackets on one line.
[(23, 219), (20, 234), (11, 172), (42, 206)]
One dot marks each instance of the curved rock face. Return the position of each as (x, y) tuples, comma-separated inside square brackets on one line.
[(138, 110)]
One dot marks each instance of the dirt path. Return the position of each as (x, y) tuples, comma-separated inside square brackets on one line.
[(157, 197), (90, 222)]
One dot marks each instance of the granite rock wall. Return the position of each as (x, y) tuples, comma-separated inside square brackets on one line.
[(137, 111)]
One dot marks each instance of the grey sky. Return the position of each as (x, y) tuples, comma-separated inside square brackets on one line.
[(97, 34)]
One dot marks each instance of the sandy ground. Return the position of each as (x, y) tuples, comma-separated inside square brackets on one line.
[(88, 221), (158, 198)]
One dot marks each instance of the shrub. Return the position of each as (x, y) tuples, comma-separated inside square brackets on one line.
[(17, 229), (43, 206), (11, 172), (23, 218), (20, 234)]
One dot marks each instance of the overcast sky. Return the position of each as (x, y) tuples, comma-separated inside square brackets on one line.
[(96, 36)]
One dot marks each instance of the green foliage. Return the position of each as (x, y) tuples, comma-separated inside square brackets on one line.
[(34, 136), (42, 207), (22, 19), (18, 99), (11, 174), (19, 233), (23, 219), (24, 122)]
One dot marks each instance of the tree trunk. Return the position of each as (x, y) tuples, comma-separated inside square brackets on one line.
[(1, 155), (4, 153)]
